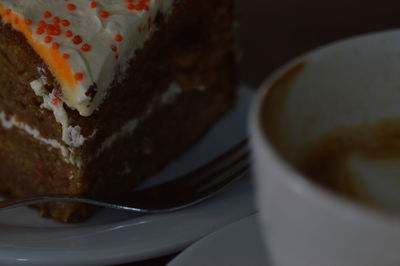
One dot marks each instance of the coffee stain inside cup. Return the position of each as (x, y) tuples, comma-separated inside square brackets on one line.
[(360, 162)]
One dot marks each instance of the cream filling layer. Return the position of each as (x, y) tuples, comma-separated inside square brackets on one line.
[(11, 122), (168, 97), (71, 135)]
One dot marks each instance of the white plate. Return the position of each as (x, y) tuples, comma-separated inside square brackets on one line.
[(115, 237), (237, 244)]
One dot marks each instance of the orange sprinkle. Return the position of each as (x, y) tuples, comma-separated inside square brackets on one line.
[(66, 56), (118, 38), (65, 22), (50, 28), (93, 4), (56, 20), (71, 7), (48, 39), (55, 45), (55, 101), (114, 48), (69, 33), (141, 6), (42, 24), (104, 14), (79, 76), (77, 39), (56, 32), (86, 47), (40, 31), (47, 14)]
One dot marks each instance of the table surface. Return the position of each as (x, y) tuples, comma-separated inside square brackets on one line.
[(273, 32)]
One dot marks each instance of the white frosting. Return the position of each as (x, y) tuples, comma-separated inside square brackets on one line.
[(99, 65), (70, 134), (127, 129), (10, 122), (71, 176), (170, 95)]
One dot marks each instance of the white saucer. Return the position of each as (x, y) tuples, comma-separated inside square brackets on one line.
[(238, 244), (113, 237)]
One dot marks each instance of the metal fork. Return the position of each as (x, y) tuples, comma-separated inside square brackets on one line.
[(180, 193)]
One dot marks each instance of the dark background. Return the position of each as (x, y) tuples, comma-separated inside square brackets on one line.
[(274, 31)]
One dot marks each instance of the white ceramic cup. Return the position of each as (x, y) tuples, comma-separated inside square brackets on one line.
[(351, 82)]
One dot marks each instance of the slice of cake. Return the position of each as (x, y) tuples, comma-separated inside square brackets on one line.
[(98, 95)]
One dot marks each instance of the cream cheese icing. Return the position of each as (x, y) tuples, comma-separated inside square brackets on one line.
[(85, 43)]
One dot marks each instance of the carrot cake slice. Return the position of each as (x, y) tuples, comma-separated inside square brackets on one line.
[(98, 95)]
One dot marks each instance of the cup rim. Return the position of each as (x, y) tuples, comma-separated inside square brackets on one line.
[(294, 178)]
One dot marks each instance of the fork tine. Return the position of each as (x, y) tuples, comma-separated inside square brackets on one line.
[(226, 161), (200, 184), (223, 178), (218, 174), (203, 195), (182, 200), (214, 165)]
